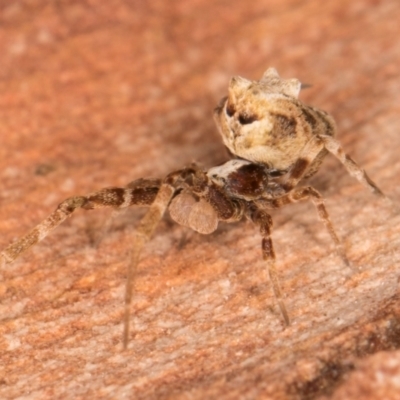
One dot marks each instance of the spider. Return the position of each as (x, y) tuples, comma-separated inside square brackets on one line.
[(275, 142)]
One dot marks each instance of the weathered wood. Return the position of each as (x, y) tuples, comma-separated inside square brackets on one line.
[(100, 95)]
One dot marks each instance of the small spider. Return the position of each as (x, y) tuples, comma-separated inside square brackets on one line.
[(275, 142)]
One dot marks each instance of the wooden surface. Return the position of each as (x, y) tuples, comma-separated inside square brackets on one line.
[(93, 95)]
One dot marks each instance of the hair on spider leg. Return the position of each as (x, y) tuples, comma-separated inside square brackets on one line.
[(276, 142)]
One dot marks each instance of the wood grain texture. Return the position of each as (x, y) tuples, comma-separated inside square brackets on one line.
[(94, 95)]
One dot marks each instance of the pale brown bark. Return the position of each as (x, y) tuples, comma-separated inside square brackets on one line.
[(94, 95)]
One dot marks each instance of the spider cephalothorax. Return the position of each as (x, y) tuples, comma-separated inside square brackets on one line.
[(275, 141)]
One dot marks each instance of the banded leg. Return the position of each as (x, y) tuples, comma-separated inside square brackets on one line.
[(334, 147), (174, 181), (264, 221), (109, 197), (141, 186), (141, 236), (309, 193), (202, 216)]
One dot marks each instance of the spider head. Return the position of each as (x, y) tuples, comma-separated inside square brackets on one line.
[(259, 120)]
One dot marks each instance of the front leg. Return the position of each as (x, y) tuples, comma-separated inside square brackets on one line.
[(141, 192)]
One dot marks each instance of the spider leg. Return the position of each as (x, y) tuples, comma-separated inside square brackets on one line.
[(141, 236), (109, 197), (195, 181), (334, 147), (143, 185), (264, 221), (309, 193)]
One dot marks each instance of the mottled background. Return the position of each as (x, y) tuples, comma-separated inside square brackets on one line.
[(94, 94)]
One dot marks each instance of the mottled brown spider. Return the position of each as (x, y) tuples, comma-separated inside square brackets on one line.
[(275, 141)]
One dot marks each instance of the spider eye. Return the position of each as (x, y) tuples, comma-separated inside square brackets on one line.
[(246, 119), (230, 109)]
